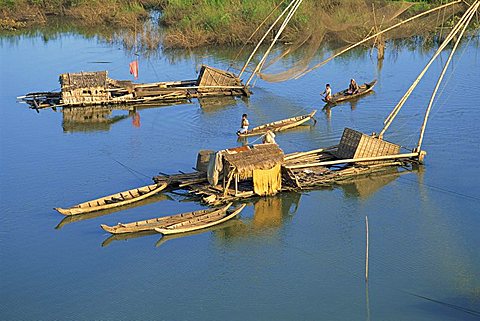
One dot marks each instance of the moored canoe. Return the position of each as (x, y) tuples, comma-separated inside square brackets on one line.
[(200, 222), (114, 200), (151, 224)]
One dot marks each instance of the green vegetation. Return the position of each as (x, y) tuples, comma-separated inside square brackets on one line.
[(194, 23), (15, 14)]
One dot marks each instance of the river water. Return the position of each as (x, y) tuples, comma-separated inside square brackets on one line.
[(290, 257)]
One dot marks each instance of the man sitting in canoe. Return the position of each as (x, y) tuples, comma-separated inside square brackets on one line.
[(243, 125), (352, 88), (327, 93)]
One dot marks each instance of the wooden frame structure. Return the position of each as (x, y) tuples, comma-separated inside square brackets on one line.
[(96, 88)]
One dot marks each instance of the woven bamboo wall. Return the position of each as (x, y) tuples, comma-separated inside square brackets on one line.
[(84, 87), (355, 144), (215, 77)]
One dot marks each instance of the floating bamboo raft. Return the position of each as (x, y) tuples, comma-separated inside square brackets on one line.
[(114, 200), (356, 155), (162, 222), (96, 88), (200, 222), (279, 125), (344, 96)]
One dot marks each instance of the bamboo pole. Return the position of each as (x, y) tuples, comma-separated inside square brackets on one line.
[(472, 11), (375, 35), (255, 31), (354, 160), (366, 256), (282, 27), (388, 121), (263, 38), (292, 156)]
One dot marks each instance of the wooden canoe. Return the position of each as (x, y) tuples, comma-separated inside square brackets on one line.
[(114, 200), (279, 125), (151, 224), (200, 222), (343, 96)]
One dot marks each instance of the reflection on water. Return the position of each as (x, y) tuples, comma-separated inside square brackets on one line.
[(99, 118), (270, 214), (89, 119), (365, 187), (423, 238), (212, 104)]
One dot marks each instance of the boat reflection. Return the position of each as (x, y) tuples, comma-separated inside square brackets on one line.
[(364, 187), (327, 108), (77, 218), (233, 223), (99, 118), (126, 237), (270, 214), (212, 104)]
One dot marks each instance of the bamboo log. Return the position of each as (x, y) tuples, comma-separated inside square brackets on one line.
[(354, 160), (282, 27), (471, 11), (230, 176), (366, 256), (263, 38), (388, 121), (296, 155)]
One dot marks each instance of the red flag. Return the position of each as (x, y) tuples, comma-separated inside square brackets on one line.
[(134, 68)]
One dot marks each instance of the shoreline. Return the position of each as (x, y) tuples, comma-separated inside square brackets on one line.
[(184, 25)]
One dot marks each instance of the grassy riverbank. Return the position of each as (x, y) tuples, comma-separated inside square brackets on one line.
[(195, 23), (17, 14)]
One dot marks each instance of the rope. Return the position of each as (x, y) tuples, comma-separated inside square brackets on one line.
[(443, 190), (131, 170)]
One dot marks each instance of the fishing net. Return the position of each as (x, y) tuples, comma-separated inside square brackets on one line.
[(343, 23)]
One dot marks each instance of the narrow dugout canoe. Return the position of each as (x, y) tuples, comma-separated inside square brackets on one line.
[(200, 222), (343, 96), (279, 125), (151, 224), (114, 200)]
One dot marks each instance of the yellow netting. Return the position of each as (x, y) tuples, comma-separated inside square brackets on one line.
[(267, 181)]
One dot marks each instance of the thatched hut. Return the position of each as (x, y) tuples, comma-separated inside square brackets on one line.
[(260, 163)]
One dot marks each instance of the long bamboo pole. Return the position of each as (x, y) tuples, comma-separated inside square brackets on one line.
[(263, 38), (375, 35), (366, 255), (474, 8), (388, 121), (256, 30), (293, 156), (282, 27), (354, 160)]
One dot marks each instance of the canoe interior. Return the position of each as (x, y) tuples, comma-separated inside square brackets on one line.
[(114, 200), (279, 125), (153, 223), (201, 222), (342, 95)]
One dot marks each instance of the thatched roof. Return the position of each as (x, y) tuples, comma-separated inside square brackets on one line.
[(247, 158), (71, 81)]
